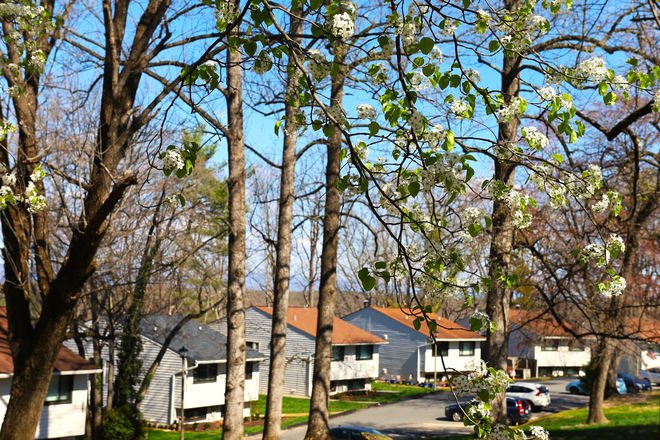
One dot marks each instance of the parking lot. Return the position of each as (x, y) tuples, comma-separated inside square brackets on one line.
[(425, 416)]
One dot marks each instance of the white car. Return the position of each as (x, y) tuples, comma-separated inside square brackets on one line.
[(536, 394), (652, 375)]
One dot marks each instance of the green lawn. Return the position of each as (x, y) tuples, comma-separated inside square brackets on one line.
[(400, 391)]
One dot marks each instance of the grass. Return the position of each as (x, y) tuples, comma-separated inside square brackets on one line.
[(633, 417), (394, 392)]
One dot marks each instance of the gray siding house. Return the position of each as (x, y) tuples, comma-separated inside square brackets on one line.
[(410, 353), (356, 353), (205, 371)]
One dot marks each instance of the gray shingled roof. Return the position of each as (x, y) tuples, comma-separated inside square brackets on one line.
[(203, 343)]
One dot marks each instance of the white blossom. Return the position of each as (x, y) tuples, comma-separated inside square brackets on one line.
[(172, 201), (450, 28), (366, 111), (656, 101), (473, 75), (37, 174), (613, 288), (9, 180), (5, 191), (436, 136), (620, 83), (593, 68), (514, 108), (547, 93), (539, 432), (535, 138), (263, 63), (459, 108), (342, 25), (416, 121), (173, 160)]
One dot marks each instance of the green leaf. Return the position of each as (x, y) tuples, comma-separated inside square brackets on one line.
[(493, 46), (602, 88), (368, 282), (374, 127), (426, 45), (316, 4), (475, 324), (474, 229), (277, 128), (413, 188), (469, 172), (609, 98), (488, 221), (317, 30), (417, 323), (633, 62), (181, 200), (558, 157), (380, 265), (362, 274), (328, 130)]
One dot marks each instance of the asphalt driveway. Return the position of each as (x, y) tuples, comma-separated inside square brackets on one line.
[(425, 416)]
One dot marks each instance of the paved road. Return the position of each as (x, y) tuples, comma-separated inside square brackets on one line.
[(425, 416)]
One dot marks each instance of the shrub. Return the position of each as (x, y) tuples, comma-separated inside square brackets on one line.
[(123, 423), (207, 425)]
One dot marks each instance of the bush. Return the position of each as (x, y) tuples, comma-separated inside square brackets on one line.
[(124, 423), (207, 425)]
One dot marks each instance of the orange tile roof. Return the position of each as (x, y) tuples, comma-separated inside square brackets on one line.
[(539, 323), (343, 333), (644, 328), (446, 328), (67, 360)]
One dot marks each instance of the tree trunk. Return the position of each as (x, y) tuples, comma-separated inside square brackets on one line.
[(615, 361), (272, 424), (96, 395), (318, 428), (234, 392), (596, 414), (496, 349)]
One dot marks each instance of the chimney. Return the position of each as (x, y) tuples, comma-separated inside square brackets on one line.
[(366, 303)]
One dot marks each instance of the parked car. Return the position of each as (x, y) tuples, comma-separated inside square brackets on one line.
[(518, 410), (652, 375), (577, 387), (634, 384), (351, 432), (536, 394)]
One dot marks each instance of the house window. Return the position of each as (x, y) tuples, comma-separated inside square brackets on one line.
[(252, 345), (338, 354), (249, 368), (442, 348), (364, 352), (60, 389), (356, 384), (466, 348), (576, 346), (195, 413), (656, 349), (550, 345), (205, 373)]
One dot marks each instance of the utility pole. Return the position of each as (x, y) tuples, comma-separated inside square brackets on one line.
[(183, 352)]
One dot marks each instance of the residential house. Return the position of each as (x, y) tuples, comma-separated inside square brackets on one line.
[(552, 350), (65, 409), (206, 368), (642, 351), (411, 353), (355, 353)]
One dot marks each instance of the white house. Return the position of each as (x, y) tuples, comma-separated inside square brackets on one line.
[(410, 352), (206, 365), (65, 408), (541, 339), (355, 352), (642, 351)]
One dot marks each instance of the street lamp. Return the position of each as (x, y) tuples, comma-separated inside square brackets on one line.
[(183, 352)]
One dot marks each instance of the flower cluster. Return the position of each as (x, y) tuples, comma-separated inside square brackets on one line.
[(611, 197), (263, 63), (226, 11), (603, 253), (540, 432), (342, 25), (541, 177), (173, 160), (482, 378), (33, 200), (444, 172), (416, 121), (517, 106), (366, 111), (435, 136), (378, 74), (656, 101), (459, 109), (318, 65), (501, 432), (547, 93), (612, 288), (515, 200), (594, 68), (535, 138), (479, 321)]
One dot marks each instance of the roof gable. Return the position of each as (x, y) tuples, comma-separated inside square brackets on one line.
[(446, 330), (343, 333)]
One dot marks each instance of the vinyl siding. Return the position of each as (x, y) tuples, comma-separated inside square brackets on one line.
[(57, 420), (351, 368), (399, 355), (453, 361)]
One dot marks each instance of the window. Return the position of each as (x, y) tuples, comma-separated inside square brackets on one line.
[(196, 413), (576, 346), (252, 345), (550, 345), (442, 348), (249, 368), (364, 352), (338, 354), (60, 390), (466, 348), (355, 384), (656, 349), (205, 373)]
